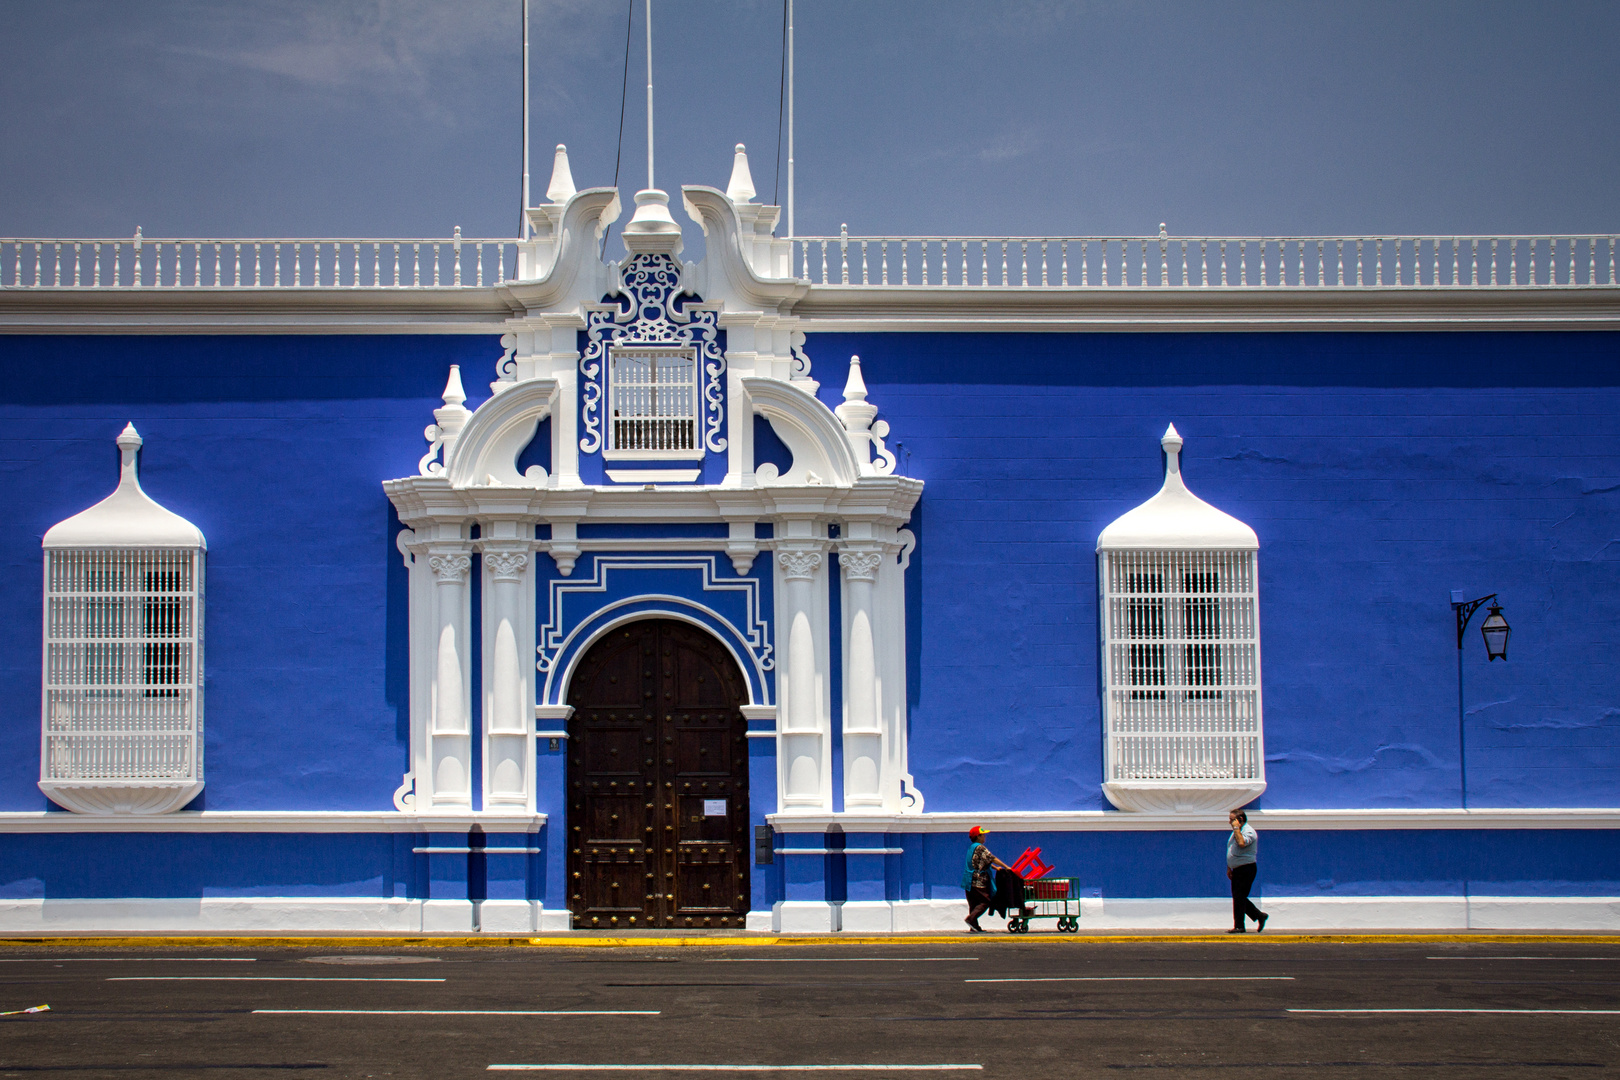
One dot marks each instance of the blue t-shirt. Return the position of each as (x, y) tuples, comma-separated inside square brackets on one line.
[(1237, 856)]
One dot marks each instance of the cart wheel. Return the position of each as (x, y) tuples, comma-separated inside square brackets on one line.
[(1070, 925), (1015, 926)]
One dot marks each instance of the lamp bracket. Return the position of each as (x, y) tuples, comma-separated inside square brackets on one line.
[(1465, 612)]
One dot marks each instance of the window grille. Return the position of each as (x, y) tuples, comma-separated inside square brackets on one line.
[(123, 664), (1181, 652), (654, 399)]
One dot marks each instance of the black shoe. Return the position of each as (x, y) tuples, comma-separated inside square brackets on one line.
[(1237, 930), (1261, 925)]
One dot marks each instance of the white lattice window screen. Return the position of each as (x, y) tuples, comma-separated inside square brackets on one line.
[(1182, 650), (654, 399), (123, 664)]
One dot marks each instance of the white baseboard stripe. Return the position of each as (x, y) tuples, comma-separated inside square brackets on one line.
[(362, 915), (1122, 821)]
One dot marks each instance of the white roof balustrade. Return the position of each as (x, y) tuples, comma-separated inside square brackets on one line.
[(989, 262), (1189, 262)]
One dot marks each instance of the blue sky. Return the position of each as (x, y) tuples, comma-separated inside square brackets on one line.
[(401, 117)]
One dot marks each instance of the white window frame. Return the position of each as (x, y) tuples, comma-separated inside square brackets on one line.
[(618, 392), (122, 676), (1181, 665)]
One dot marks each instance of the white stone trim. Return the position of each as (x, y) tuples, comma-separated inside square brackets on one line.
[(268, 821), (1289, 915), (1118, 821), (278, 915)]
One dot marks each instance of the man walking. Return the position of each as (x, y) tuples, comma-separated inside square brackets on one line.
[(1242, 855)]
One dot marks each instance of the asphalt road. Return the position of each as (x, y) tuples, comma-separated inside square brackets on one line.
[(991, 1007)]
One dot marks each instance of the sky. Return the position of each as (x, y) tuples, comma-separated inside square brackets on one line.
[(401, 118)]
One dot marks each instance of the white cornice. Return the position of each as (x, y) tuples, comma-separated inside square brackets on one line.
[(893, 308), (1118, 821), (255, 311), (268, 821), (1055, 309)]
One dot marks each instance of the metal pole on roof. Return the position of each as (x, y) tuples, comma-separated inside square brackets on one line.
[(790, 115), (649, 99), (523, 212)]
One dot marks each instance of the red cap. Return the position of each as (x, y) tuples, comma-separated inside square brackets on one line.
[(976, 832)]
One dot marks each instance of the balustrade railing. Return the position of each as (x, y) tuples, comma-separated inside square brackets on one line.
[(1166, 261), (1161, 261), (143, 262)]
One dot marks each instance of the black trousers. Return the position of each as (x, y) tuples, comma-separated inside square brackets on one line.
[(1242, 882)]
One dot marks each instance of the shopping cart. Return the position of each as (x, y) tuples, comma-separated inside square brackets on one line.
[(1048, 898)]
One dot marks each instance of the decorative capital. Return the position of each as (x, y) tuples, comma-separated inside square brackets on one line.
[(860, 565), (450, 569), (799, 565), (505, 565)]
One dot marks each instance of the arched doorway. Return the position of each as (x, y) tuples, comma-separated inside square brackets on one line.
[(657, 781)]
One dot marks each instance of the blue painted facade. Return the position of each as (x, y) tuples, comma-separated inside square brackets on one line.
[(1380, 470)]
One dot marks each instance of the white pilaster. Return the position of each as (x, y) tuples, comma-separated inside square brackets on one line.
[(863, 731), (804, 719), (449, 784), (508, 678)]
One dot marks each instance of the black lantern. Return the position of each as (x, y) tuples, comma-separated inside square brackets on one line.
[(1496, 632)]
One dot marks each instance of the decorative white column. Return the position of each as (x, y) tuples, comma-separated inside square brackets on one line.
[(448, 717), (863, 729), (802, 756), (508, 691)]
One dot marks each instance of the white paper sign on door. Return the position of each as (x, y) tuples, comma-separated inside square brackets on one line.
[(714, 808)]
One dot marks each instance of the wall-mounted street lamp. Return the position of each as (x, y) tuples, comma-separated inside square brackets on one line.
[(1496, 631)]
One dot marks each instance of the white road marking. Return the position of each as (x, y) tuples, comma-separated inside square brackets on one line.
[(838, 959), (735, 1068), (259, 978), (1522, 958), (1514, 1012), (457, 1012), (133, 960), (1145, 978)]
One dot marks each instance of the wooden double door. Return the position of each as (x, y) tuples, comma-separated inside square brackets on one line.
[(657, 781)]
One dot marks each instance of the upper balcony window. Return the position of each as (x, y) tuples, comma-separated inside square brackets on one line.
[(653, 396)]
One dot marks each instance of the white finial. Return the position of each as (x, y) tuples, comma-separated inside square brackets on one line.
[(741, 187), (129, 441), (864, 430), (1172, 452), (562, 178), (651, 229), (1162, 234), (453, 392), (855, 386)]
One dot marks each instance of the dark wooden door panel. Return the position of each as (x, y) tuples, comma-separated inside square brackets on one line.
[(657, 781)]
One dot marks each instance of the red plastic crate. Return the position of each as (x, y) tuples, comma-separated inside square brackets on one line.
[(1050, 888)]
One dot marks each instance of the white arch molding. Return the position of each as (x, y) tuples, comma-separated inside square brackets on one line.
[(560, 696)]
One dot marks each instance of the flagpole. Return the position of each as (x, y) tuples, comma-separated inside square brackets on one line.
[(524, 211), (790, 115), (649, 98)]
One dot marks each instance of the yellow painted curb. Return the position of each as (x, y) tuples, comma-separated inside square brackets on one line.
[(738, 941)]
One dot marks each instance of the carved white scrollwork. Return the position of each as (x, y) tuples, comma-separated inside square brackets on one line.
[(506, 366), (799, 565), (428, 466), (506, 565), (450, 569), (884, 465), (801, 359), (651, 306), (860, 565)]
